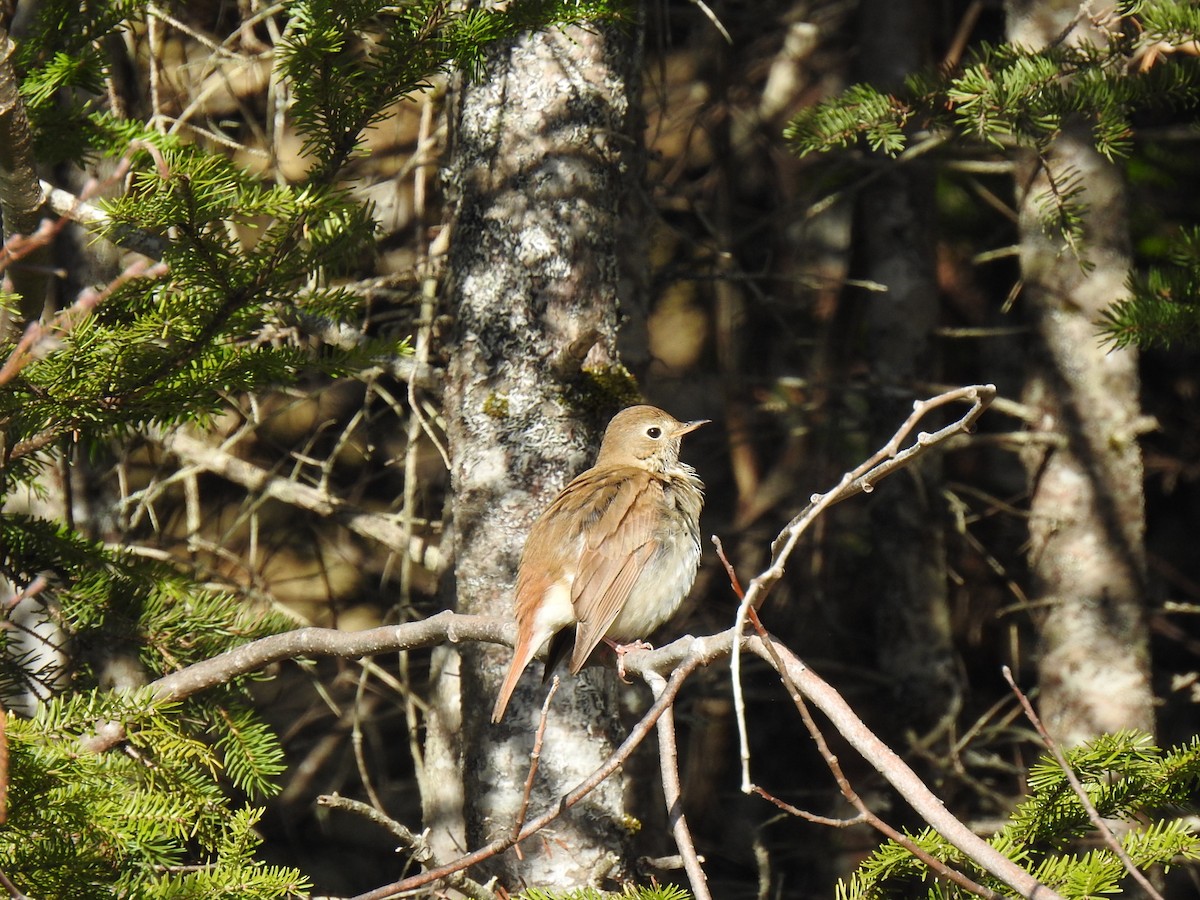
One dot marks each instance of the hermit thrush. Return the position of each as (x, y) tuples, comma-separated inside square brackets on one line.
[(616, 551)]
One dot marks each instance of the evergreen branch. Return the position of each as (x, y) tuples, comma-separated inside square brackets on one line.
[(1006, 93), (1161, 309), (343, 83)]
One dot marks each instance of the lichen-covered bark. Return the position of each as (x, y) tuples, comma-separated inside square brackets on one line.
[(1087, 516), (541, 155)]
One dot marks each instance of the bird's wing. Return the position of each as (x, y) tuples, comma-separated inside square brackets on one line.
[(618, 540)]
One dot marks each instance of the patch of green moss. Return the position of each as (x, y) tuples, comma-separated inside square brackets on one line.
[(496, 405), (632, 824), (602, 390)]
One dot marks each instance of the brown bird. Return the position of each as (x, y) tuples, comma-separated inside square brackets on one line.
[(616, 551)]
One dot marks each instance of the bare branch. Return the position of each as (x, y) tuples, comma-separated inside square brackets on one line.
[(668, 758), (865, 814), (680, 659), (852, 796), (680, 672), (535, 756), (863, 479), (386, 529), (894, 769), (417, 845)]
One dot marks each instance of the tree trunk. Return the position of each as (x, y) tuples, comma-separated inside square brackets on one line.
[(894, 234), (542, 151), (1087, 516)]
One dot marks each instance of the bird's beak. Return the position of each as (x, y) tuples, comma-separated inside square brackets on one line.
[(691, 426)]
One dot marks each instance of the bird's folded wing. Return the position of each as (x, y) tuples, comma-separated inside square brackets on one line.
[(619, 539)]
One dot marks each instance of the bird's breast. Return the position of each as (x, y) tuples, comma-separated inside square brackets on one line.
[(659, 589)]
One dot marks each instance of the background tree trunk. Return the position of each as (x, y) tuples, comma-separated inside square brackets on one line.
[(541, 155), (906, 579), (1087, 520)]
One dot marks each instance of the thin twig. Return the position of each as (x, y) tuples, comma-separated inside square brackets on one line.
[(865, 814), (862, 479), (40, 339), (898, 773), (615, 760), (1094, 816), (356, 740), (851, 795), (378, 526), (535, 756), (417, 845), (712, 17), (35, 587), (3, 765), (668, 760), (807, 816)]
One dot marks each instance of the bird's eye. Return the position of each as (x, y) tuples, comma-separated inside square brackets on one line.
[(654, 432)]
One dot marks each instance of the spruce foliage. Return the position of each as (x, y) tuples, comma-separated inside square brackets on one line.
[(1126, 778), (1163, 306), (1003, 98)]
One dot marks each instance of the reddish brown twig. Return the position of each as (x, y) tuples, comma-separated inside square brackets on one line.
[(535, 756), (615, 760), (34, 588), (40, 339), (865, 814)]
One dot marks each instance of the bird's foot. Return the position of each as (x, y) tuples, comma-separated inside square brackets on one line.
[(622, 649)]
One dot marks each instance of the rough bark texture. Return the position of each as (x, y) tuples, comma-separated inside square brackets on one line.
[(1087, 516), (541, 156), (894, 231)]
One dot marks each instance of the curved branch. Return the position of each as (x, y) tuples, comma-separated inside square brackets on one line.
[(896, 770), (668, 756), (678, 660), (888, 459)]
